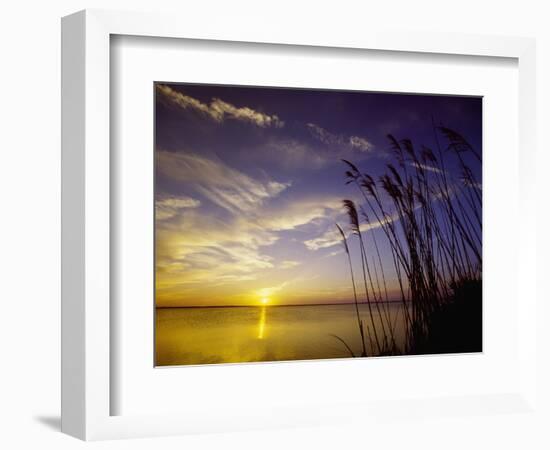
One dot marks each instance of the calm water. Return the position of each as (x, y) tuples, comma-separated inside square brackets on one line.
[(268, 333)]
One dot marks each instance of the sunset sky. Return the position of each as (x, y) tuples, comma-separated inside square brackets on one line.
[(250, 183)]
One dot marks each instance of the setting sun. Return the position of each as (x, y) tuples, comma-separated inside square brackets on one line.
[(264, 301)]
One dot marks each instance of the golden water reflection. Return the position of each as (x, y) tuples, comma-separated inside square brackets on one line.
[(241, 334), (261, 324)]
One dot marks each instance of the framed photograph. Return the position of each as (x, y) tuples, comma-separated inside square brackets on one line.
[(254, 221), (315, 233)]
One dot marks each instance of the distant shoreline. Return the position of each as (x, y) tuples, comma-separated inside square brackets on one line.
[(273, 306)]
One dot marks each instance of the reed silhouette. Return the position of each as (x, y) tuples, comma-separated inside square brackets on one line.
[(432, 224)]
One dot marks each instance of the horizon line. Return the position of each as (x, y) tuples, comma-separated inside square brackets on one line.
[(276, 305)]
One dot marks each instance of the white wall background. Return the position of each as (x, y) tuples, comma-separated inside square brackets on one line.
[(29, 223)]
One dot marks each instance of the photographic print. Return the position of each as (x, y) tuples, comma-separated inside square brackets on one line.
[(300, 224)]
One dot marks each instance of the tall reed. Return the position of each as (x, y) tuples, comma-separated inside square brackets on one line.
[(431, 223)]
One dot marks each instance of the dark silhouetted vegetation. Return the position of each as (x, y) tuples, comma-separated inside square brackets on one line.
[(431, 222)]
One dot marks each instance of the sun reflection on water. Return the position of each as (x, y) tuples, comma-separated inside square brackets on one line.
[(233, 335), (261, 324)]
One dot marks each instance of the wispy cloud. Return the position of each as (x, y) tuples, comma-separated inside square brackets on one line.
[(426, 167), (298, 213), (298, 154), (329, 238), (324, 136), (219, 110), (168, 207), (355, 142), (222, 185), (360, 143), (291, 154), (289, 264), (332, 237)]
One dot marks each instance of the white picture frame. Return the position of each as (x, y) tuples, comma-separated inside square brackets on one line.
[(86, 220)]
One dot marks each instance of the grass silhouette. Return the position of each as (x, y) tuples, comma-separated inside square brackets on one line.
[(432, 225)]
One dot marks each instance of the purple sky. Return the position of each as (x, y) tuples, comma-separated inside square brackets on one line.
[(249, 184)]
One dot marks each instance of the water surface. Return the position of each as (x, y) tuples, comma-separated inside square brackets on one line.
[(264, 333)]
